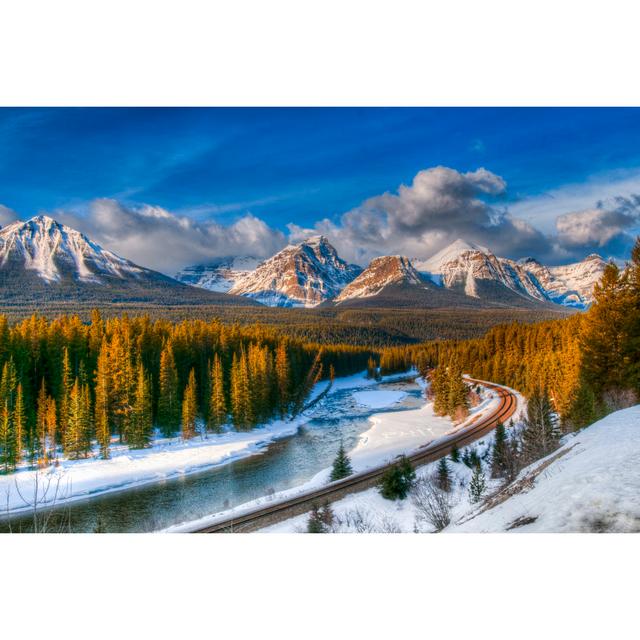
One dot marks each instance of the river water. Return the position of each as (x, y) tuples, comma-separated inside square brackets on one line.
[(286, 463)]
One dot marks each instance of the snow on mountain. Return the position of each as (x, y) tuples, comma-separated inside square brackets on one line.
[(48, 247), (380, 273), (581, 276), (433, 266), (220, 275), (468, 267), (305, 275)]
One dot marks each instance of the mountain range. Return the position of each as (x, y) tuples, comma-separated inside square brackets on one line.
[(311, 273), (44, 260)]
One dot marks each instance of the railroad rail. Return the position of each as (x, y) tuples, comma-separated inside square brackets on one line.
[(296, 505)]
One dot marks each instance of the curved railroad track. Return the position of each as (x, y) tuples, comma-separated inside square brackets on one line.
[(296, 505)]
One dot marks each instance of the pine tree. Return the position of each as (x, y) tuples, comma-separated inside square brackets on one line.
[(141, 419), (315, 523), (341, 465), (283, 378), (499, 454), (217, 402), (168, 401), (455, 453), (66, 383), (52, 428), (75, 437), (540, 432), (189, 408), (102, 404), (19, 424), (7, 440), (443, 475), (397, 480), (41, 425), (478, 485)]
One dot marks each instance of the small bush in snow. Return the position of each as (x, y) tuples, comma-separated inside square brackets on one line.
[(432, 503), (396, 482)]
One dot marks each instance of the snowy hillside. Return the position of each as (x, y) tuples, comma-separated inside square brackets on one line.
[(590, 484), (305, 275)]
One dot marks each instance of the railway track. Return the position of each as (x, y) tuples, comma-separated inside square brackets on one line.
[(296, 505)]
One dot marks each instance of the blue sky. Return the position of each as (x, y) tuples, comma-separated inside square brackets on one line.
[(289, 165)]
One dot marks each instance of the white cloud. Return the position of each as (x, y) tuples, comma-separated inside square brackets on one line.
[(439, 206), (605, 228), (7, 215), (156, 238)]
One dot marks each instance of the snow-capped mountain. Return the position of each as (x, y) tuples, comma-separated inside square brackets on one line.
[(220, 275), (51, 249), (381, 272), (44, 260), (305, 275), (481, 274), (581, 276)]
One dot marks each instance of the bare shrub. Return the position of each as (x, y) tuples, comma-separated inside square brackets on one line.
[(432, 503), (389, 525), (353, 520)]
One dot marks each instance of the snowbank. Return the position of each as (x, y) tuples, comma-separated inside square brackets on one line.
[(378, 399)]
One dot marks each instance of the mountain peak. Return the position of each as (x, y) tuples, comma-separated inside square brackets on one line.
[(381, 272), (435, 263), (52, 249), (304, 274)]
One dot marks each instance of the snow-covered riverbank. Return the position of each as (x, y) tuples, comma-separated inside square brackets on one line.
[(165, 459), (391, 433)]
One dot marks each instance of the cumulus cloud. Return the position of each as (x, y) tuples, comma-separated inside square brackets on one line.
[(7, 216), (606, 229), (440, 205), (156, 238)]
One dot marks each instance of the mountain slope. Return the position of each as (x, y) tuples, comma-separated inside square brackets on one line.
[(393, 282), (44, 260), (479, 273), (304, 275), (218, 276)]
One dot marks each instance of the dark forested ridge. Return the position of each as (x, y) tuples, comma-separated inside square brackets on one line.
[(68, 386)]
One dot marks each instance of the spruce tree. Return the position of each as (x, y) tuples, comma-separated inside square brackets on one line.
[(102, 395), (217, 402), (283, 378), (168, 403), (397, 480), (478, 485), (455, 453), (141, 418), (540, 431), (315, 522), (341, 465), (443, 475), (19, 424), (189, 408), (499, 453), (7, 440)]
